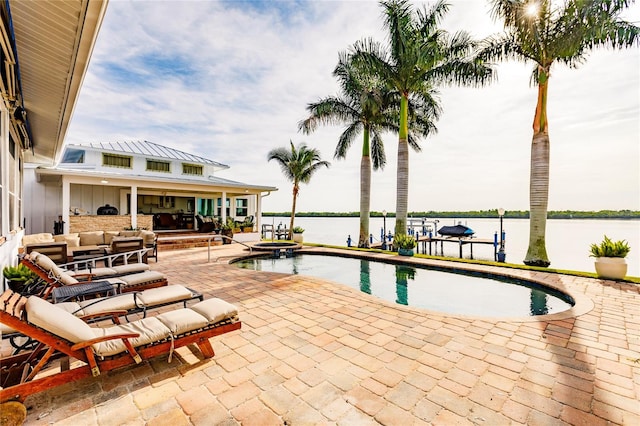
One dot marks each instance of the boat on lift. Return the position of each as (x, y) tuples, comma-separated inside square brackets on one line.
[(456, 231)]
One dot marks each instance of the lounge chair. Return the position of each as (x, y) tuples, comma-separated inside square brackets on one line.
[(61, 334), (128, 303), (46, 269)]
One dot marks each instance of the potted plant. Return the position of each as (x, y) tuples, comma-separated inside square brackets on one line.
[(247, 225), (227, 230), (610, 262), (405, 244), (19, 278), (297, 234)]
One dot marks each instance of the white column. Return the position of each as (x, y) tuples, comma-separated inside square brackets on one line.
[(223, 212), (134, 206), (259, 212), (4, 171), (66, 202)]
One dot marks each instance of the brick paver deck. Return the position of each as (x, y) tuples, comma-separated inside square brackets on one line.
[(314, 352)]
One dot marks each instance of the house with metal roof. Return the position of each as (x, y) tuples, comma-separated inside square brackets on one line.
[(43, 66), (154, 186)]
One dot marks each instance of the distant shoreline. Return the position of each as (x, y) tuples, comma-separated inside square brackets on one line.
[(482, 214)]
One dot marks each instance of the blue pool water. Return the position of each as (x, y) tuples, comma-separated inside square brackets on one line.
[(439, 290)]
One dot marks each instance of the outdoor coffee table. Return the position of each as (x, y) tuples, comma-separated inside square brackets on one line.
[(92, 288)]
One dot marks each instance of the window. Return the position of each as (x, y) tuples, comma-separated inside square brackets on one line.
[(115, 160), (227, 207), (205, 206), (242, 206), (72, 155), (192, 169), (158, 166)]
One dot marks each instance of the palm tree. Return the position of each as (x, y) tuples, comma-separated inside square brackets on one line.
[(544, 35), (363, 106), (419, 58), (298, 164)]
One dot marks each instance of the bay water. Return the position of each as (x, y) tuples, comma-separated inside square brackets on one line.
[(568, 240)]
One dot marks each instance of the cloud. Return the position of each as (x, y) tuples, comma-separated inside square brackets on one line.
[(230, 81)]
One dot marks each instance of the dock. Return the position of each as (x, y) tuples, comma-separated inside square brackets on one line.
[(277, 233), (432, 243)]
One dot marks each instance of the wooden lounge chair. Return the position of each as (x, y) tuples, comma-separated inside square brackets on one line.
[(128, 303), (46, 269), (62, 335)]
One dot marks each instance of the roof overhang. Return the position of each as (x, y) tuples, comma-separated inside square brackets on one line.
[(54, 41), (87, 177)]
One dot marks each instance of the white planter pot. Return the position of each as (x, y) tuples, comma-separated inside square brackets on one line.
[(611, 267), (297, 238)]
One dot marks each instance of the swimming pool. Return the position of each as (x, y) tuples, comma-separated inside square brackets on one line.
[(443, 290)]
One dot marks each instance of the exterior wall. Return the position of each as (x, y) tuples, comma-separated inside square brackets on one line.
[(86, 223), (93, 161), (42, 202)]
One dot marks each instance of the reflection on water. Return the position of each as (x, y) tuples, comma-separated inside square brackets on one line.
[(456, 292), (403, 273), (538, 303), (365, 279)]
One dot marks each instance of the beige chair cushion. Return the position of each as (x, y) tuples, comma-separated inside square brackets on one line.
[(57, 321), (160, 295), (215, 310), (96, 272), (54, 270), (122, 302), (182, 320), (92, 238), (71, 307), (150, 330), (130, 268), (141, 278)]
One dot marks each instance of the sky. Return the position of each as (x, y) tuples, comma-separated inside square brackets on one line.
[(230, 80)]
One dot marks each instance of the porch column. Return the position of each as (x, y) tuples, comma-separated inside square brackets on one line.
[(66, 203), (134, 206), (259, 212), (223, 209), (5, 226)]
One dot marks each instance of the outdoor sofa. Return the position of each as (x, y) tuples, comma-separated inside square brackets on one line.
[(84, 242)]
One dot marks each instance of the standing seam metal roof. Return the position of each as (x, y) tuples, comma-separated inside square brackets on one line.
[(150, 149)]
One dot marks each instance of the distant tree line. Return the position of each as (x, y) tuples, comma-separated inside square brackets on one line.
[(513, 214)]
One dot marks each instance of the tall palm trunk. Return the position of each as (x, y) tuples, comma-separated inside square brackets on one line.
[(365, 191), (539, 179), (402, 189), (293, 209)]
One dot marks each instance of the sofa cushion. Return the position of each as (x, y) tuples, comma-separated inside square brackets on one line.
[(72, 240), (108, 236), (93, 238), (148, 237), (128, 233), (43, 237)]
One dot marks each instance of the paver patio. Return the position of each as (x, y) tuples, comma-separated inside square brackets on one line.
[(314, 352)]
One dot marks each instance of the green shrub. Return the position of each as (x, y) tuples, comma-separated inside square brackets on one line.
[(608, 248), (298, 230)]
